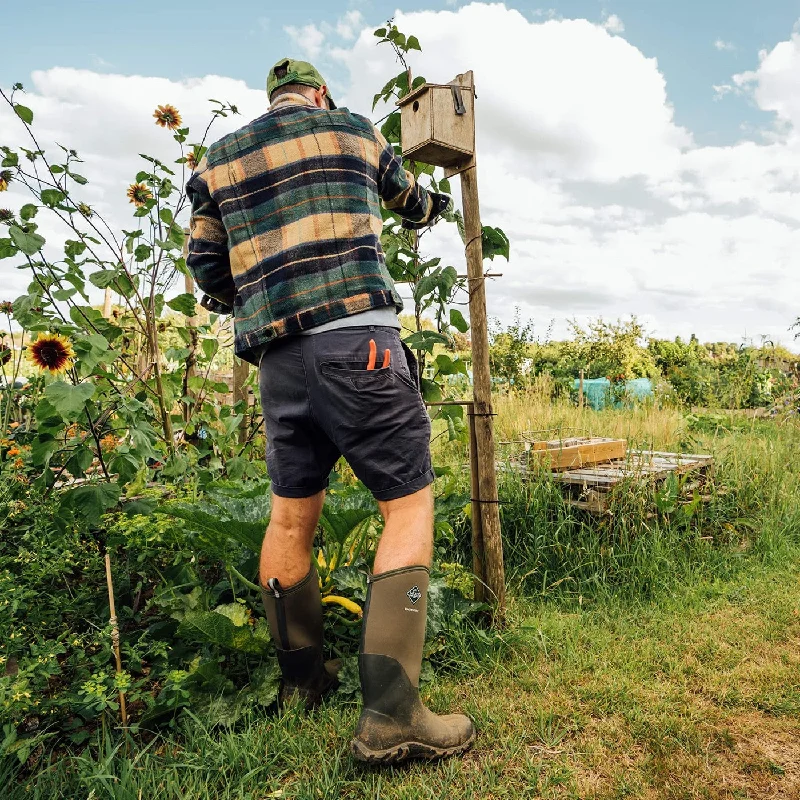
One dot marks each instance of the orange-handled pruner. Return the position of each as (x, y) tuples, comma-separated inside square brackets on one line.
[(373, 355)]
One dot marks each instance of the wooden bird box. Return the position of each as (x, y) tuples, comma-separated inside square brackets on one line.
[(438, 124)]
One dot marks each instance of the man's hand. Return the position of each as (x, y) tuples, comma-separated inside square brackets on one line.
[(215, 306), (442, 203)]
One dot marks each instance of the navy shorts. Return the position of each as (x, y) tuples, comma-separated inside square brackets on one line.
[(321, 402)]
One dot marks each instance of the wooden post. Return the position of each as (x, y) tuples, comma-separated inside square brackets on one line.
[(482, 384), (580, 390)]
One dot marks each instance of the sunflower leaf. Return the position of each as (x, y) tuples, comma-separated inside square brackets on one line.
[(29, 243), (68, 400)]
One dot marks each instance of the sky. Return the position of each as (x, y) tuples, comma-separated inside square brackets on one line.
[(643, 157)]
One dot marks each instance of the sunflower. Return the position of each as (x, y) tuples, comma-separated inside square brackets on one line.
[(139, 194), (13, 451), (52, 352), (167, 117), (6, 307), (191, 160), (6, 215), (6, 176)]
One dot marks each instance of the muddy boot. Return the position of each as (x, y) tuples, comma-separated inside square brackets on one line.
[(295, 621), (394, 725)]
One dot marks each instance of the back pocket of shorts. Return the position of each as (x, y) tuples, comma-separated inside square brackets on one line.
[(352, 373)]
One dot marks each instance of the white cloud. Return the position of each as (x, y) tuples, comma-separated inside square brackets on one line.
[(348, 26), (613, 24), (585, 104), (308, 39), (108, 119), (610, 206), (719, 44), (776, 82), (720, 90)]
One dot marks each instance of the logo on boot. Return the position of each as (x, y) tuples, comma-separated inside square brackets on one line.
[(414, 594)]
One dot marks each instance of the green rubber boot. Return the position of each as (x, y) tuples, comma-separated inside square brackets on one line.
[(295, 621), (394, 724)]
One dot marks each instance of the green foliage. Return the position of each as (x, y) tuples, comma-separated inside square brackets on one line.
[(509, 358)]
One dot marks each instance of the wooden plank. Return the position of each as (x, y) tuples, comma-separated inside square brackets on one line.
[(588, 480), (592, 451)]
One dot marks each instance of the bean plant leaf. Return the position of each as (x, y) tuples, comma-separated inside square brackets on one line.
[(426, 340), (24, 113), (494, 243), (28, 211), (457, 321), (183, 303)]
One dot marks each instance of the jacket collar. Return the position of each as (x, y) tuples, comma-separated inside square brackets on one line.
[(290, 99)]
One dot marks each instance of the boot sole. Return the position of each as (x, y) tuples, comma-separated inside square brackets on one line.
[(406, 751)]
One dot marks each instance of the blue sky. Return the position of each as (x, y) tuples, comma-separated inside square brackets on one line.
[(191, 38), (627, 183)]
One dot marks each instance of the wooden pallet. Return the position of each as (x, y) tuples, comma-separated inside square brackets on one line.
[(588, 488)]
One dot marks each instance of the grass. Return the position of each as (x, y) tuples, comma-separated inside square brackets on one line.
[(647, 655)]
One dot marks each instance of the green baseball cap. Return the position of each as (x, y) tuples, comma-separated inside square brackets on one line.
[(295, 72)]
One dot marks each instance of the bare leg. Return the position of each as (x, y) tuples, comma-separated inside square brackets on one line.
[(407, 539), (286, 551)]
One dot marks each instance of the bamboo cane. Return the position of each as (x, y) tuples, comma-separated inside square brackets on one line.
[(115, 638)]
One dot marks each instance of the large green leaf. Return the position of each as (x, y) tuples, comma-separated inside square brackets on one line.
[(215, 530), (215, 627), (183, 303), (24, 113), (426, 340), (90, 350), (91, 501), (28, 243), (340, 524), (68, 400), (494, 243), (457, 321), (52, 197)]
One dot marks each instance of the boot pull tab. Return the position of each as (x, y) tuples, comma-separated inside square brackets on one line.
[(275, 586)]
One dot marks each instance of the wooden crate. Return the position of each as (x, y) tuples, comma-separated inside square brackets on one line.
[(562, 454)]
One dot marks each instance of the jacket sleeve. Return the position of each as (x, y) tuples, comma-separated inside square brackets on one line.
[(208, 260), (397, 187)]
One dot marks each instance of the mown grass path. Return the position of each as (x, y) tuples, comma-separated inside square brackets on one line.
[(695, 696)]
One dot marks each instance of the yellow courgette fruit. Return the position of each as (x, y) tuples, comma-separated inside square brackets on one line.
[(335, 599)]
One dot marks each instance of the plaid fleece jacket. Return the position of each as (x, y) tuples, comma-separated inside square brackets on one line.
[(286, 220)]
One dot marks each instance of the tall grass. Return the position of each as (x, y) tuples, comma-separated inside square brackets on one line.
[(750, 507)]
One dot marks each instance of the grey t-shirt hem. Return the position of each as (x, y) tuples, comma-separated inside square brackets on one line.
[(382, 317)]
